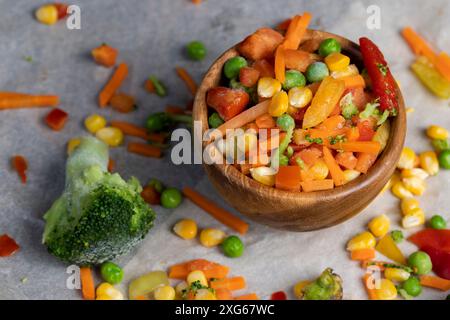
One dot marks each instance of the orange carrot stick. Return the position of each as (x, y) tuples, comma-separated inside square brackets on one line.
[(372, 147), (280, 65), (232, 284), (18, 101), (363, 254), (113, 84), (245, 117), (365, 161), (296, 31), (336, 172), (211, 269), (356, 81), (6, 94), (19, 163), (223, 294), (130, 129), (250, 296), (418, 45), (190, 83), (370, 291), (435, 282), (144, 149), (317, 185), (220, 214), (87, 283)]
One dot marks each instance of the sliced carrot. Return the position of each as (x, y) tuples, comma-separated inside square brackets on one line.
[(250, 296), (87, 283), (136, 131), (232, 284), (443, 64), (18, 101), (435, 282), (144, 149), (288, 178), (363, 254), (174, 109), (280, 66), (283, 25), (56, 119), (220, 214), (296, 31), (365, 162), (369, 287), (223, 294), (346, 160), (358, 146), (336, 173), (352, 134), (317, 185), (265, 121), (123, 102), (418, 45), (149, 86), (20, 164), (245, 117), (190, 83), (356, 81), (113, 84), (211, 269)]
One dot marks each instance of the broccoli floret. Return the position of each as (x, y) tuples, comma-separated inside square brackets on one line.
[(348, 107), (328, 286), (99, 216)]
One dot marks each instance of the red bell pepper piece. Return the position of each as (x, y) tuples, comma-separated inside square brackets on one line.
[(383, 83), (280, 295), (227, 102), (439, 239), (366, 131), (62, 9), (7, 246), (19, 163), (440, 260), (56, 119)]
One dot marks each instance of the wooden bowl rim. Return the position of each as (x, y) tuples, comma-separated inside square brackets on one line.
[(396, 137)]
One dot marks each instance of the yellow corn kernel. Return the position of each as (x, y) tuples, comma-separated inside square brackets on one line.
[(396, 274), (264, 175), (47, 14), (415, 172), (106, 291), (72, 144), (319, 171), (429, 162), (300, 97), (350, 175), (205, 294), (407, 158), (164, 293), (408, 205), (279, 104), (399, 190), (437, 132), (181, 288), (94, 122), (386, 290), (351, 70), (337, 61), (113, 137), (415, 185), (364, 240), (211, 237), (195, 276), (379, 226), (267, 87), (299, 287), (413, 219), (186, 229)]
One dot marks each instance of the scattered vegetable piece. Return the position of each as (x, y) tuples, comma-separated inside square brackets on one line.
[(113, 84), (123, 103), (8, 246), (435, 282), (105, 55), (233, 247), (185, 76), (87, 283), (196, 50), (20, 164), (56, 119), (111, 272), (186, 229), (144, 150), (387, 247), (18, 101)]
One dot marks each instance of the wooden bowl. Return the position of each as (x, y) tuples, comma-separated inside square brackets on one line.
[(300, 211)]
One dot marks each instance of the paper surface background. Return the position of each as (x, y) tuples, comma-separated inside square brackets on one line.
[(150, 36)]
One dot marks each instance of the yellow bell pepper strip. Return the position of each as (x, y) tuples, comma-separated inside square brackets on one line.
[(431, 78), (324, 102), (387, 247)]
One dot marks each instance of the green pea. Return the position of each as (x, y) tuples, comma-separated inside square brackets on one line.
[(420, 262), (438, 222), (171, 198), (293, 79), (329, 46), (233, 247), (317, 71), (440, 145), (397, 236), (284, 160), (233, 66), (196, 50), (215, 120), (285, 122), (412, 286), (444, 159), (155, 183), (160, 89), (111, 272)]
